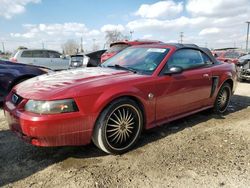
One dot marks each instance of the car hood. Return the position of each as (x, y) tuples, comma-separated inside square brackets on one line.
[(70, 83)]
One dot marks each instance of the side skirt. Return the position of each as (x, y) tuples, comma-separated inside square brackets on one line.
[(181, 116)]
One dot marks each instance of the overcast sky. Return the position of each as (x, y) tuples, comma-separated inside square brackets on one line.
[(211, 23)]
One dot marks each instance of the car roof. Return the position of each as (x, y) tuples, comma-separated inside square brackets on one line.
[(37, 49), (178, 46), (135, 42)]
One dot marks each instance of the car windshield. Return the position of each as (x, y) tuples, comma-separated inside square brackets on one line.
[(76, 58), (245, 57), (139, 59), (233, 55)]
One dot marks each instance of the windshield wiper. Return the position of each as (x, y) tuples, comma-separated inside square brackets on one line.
[(121, 67)]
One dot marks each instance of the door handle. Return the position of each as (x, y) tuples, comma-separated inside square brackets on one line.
[(206, 76)]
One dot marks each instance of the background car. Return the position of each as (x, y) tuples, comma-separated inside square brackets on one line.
[(92, 59), (41, 57), (229, 56), (12, 74), (243, 67), (119, 46), (139, 88)]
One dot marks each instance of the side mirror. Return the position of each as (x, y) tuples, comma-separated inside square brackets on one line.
[(173, 70)]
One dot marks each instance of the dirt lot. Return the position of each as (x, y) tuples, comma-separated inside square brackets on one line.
[(203, 150)]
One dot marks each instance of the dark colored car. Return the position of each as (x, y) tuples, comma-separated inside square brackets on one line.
[(12, 74), (139, 88), (92, 59), (243, 67), (119, 46)]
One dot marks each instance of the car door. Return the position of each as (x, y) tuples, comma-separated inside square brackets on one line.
[(57, 62), (41, 58), (186, 91)]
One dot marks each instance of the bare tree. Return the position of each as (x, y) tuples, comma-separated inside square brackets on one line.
[(70, 47), (95, 47), (114, 36)]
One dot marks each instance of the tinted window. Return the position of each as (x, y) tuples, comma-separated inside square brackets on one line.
[(206, 59), (26, 54), (54, 54), (39, 54), (186, 58), (117, 48)]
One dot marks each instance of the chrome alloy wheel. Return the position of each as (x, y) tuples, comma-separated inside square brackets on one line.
[(122, 127), (223, 99)]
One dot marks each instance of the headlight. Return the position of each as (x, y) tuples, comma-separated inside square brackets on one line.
[(51, 107)]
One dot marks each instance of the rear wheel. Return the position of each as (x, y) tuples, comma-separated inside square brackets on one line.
[(119, 126), (223, 99)]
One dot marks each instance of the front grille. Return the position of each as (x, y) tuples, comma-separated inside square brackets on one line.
[(16, 99)]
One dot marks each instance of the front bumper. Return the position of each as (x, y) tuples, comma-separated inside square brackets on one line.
[(49, 130)]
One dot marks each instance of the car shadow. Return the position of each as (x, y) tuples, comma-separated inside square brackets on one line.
[(19, 160), (238, 103)]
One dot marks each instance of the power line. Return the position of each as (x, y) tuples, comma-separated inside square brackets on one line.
[(3, 47), (81, 45), (131, 35), (181, 37)]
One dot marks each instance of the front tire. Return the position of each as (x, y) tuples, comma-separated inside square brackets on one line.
[(223, 99), (119, 126)]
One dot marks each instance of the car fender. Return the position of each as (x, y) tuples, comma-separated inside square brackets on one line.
[(148, 106), (107, 97), (225, 77)]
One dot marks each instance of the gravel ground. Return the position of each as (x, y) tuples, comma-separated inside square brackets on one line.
[(203, 150)]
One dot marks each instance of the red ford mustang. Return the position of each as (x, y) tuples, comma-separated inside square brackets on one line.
[(139, 88)]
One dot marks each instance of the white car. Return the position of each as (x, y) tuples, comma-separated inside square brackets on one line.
[(41, 57)]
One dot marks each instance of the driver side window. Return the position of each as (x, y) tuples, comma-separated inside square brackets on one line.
[(186, 59)]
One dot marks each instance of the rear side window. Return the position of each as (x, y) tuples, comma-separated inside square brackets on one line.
[(117, 48), (54, 54), (186, 58), (26, 54), (39, 54)]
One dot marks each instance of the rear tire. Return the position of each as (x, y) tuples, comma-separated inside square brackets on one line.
[(223, 99), (119, 126)]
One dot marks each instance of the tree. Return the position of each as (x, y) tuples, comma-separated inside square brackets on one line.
[(114, 36), (70, 47)]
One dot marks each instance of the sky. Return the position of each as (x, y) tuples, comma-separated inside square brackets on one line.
[(50, 23)]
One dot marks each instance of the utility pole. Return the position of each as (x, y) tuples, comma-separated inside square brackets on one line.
[(248, 23), (181, 37), (43, 45), (81, 46), (3, 47), (131, 35)]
